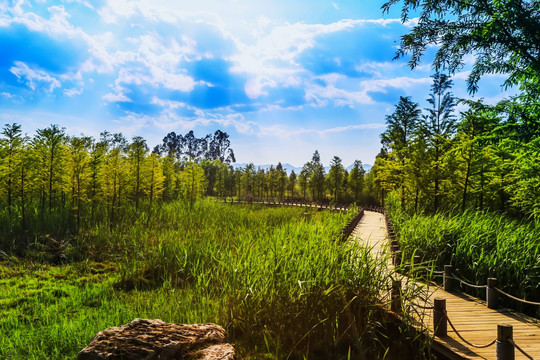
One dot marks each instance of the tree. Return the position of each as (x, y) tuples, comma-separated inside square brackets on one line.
[(292, 183), (137, 151), (439, 125), (303, 178), (49, 143), (193, 182), (114, 172), (316, 176), (154, 178), (401, 125), (247, 179), (335, 178), (11, 159), (503, 35), (219, 148), (79, 160), (281, 179), (356, 179)]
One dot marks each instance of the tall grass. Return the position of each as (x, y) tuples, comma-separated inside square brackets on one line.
[(479, 245), (275, 278)]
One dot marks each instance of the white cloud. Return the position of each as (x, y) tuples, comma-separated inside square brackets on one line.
[(73, 92), (254, 87), (118, 97), (34, 77)]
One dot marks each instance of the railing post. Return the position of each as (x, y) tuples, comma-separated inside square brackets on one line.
[(491, 293), (448, 282), (439, 317), (395, 304), (396, 258), (505, 349)]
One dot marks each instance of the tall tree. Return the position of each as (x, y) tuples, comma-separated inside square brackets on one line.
[(401, 125), (50, 143), (137, 151), (292, 183), (316, 176), (193, 182), (356, 179), (79, 161), (335, 178), (11, 159), (303, 179), (439, 125), (281, 180), (219, 148)]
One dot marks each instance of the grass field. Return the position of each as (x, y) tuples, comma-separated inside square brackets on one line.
[(275, 278)]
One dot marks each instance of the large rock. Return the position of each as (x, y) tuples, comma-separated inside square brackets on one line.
[(144, 339)]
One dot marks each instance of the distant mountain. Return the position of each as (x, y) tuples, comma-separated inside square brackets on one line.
[(288, 167)]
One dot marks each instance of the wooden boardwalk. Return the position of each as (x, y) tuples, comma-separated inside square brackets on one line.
[(471, 317)]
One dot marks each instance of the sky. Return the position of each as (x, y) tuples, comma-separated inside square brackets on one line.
[(282, 78)]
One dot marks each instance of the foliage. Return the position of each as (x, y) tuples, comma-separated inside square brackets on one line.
[(479, 245), (502, 35), (275, 278), (191, 148)]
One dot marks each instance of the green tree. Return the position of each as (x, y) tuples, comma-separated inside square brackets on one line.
[(303, 179), (11, 160), (193, 182), (137, 152), (281, 180), (292, 183), (247, 179), (439, 126), (316, 176), (335, 178), (79, 172), (401, 126), (356, 180), (502, 34), (49, 144)]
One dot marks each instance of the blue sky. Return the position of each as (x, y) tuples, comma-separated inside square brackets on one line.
[(283, 78)]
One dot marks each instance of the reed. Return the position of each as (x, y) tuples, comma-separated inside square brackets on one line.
[(479, 245)]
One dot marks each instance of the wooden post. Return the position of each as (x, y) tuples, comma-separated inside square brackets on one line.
[(491, 293), (505, 349), (439, 317), (448, 282), (394, 248), (396, 258), (395, 304)]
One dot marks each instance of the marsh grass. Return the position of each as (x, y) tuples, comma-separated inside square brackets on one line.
[(275, 278), (479, 245)]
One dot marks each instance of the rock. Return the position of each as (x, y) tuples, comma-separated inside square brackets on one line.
[(144, 339)]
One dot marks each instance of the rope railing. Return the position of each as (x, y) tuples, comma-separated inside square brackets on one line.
[(516, 298), (511, 341), (465, 340), (463, 282)]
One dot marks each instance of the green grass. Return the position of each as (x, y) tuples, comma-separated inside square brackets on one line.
[(479, 245), (275, 278)]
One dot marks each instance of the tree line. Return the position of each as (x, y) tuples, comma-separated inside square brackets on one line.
[(53, 183), (487, 156)]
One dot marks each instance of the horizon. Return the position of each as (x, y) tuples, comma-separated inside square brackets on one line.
[(282, 79)]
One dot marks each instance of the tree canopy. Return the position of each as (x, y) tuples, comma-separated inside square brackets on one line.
[(502, 35)]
